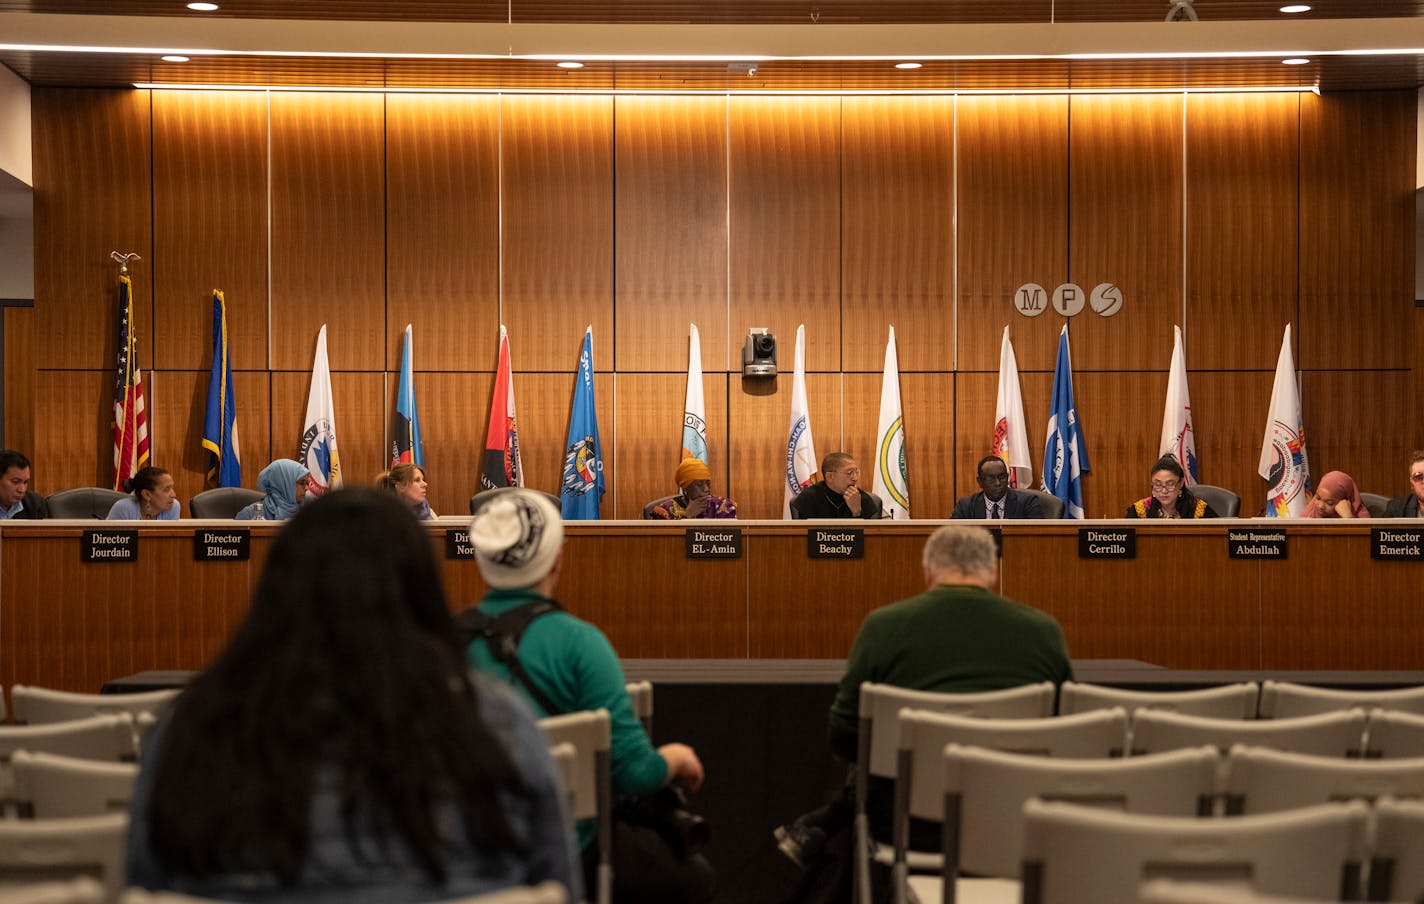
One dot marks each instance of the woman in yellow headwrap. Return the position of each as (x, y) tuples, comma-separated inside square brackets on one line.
[(694, 478)]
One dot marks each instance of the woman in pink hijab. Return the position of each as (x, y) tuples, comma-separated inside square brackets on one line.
[(1336, 497)]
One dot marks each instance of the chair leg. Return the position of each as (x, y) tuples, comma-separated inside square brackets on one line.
[(862, 859)]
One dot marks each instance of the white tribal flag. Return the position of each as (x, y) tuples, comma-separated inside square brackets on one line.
[(892, 483), (318, 448), (1283, 461), (800, 450), (1010, 428), (1178, 439), (694, 410)]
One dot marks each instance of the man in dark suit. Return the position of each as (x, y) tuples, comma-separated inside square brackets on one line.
[(996, 500), (836, 496), (16, 499), (1410, 505)]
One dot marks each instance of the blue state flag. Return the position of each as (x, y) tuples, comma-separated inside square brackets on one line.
[(1065, 455), (220, 423), (405, 446), (582, 484)]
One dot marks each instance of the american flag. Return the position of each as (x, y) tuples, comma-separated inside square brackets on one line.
[(130, 421)]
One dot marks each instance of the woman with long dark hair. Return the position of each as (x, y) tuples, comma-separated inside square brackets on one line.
[(338, 748), (1171, 497)]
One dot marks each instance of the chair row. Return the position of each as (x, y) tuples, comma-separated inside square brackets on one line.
[(38, 705)]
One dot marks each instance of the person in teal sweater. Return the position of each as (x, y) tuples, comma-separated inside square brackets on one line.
[(518, 541)]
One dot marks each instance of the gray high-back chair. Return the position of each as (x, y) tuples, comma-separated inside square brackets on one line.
[(222, 502), (1374, 504), (83, 502), (1051, 504), (1222, 501)]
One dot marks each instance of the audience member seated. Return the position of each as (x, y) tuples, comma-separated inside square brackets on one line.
[(338, 748), (956, 636), (17, 500), (1336, 497), (563, 664), (995, 499), (1171, 497), (151, 498), (407, 481), (694, 478), (284, 486), (1410, 505), (836, 495)]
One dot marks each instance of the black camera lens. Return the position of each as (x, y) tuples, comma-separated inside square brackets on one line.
[(764, 346)]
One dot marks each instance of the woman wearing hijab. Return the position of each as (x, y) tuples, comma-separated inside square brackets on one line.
[(1336, 497), (285, 484)]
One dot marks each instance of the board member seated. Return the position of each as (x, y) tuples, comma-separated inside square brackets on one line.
[(996, 500), (151, 498), (284, 483), (1336, 497), (694, 478), (17, 500), (1410, 505), (1171, 497), (407, 481), (836, 495)]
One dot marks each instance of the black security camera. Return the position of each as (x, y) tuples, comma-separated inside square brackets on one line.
[(759, 353)]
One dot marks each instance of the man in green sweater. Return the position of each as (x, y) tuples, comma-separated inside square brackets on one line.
[(567, 665)]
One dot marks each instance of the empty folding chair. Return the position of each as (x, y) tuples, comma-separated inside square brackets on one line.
[(565, 759), (983, 791), (592, 786), (1397, 855), (1229, 701), (33, 705), (1085, 855), (1261, 780), (109, 738), (1283, 700), (82, 890), (640, 694), (49, 786), (34, 850), (1394, 734), (1327, 734)]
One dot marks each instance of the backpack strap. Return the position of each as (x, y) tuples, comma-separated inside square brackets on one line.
[(502, 634)]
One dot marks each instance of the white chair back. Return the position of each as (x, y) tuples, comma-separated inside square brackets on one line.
[(51, 787), (1284, 700), (1229, 701), (592, 786), (1085, 855), (82, 890), (109, 738), (1397, 855), (1168, 891), (34, 705), (565, 758), (1262, 780), (1394, 734), (640, 694), (544, 893), (35, 850), (1328, 734)]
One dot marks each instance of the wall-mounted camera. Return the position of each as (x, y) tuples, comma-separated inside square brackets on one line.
[(759, 353)]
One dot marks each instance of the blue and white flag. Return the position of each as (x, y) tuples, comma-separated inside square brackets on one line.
[(405, 446), (1065, 455), (220, 422), (582, 484)]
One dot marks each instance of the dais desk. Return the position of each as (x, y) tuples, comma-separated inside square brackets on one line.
[(1181, 602)]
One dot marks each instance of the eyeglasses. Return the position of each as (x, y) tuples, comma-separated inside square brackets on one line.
[(993, 478), (1417, 477), (1165, 486)]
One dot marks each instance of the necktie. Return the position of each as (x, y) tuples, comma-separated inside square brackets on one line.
[(994, 509)]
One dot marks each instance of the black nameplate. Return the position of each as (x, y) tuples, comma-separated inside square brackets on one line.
[(1253, 543), (457, 545), (1107, 542), (109, 546), (835, 543), (222, 546), (714, 543), (1396, 543)]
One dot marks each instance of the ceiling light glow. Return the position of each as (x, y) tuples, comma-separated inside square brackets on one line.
[(1295, 8), (175, 58), (908, 65), (203, 7), (570, 64), (1295, 61)]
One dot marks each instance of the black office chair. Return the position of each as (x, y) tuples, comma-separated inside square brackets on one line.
[(1052, 506), (485, 497), (1222, 501), (1374, 503), (222, 502), (83, 502)]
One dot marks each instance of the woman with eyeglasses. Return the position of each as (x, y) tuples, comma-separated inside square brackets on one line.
[(1171, 498)]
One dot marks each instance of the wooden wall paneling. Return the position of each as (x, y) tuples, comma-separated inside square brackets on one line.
[(975, 398), (1355, 422), (454, 415), (784, 191), (818, 614), (1011, 198), (75, 447), (649, 417), (361, 422), (545, 401), (92, 196), (192, 622), (178, 404), (928, 403), (1125, 211), (1243, 229), (210, 225), (1229, 420), (557, 208), (442, 229), (1207, 616), (1313, 620), (1121, 418), (671, 231), (328, 235), (20, 377), (1357, 229), (898, 231), (758, 418)]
